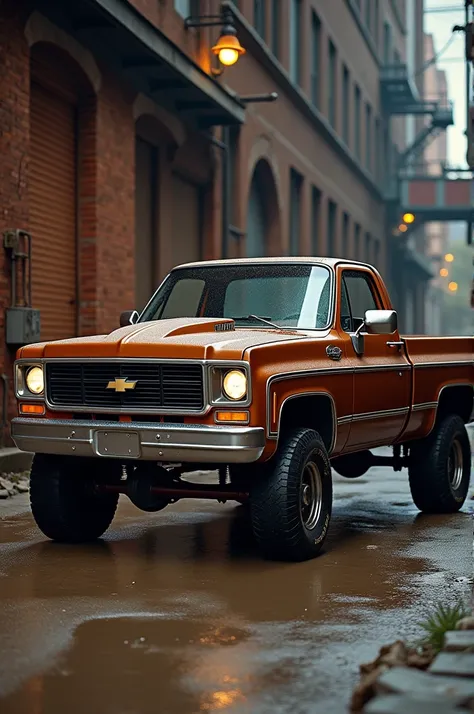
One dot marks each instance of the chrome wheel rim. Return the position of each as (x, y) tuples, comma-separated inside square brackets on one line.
[(455, 465), (311, 495)]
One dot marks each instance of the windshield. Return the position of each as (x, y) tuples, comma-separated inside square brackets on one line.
[(288, 296)]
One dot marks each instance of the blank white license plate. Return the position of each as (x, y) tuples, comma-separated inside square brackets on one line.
[(115, 443)]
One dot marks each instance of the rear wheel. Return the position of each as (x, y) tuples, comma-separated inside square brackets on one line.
[(291, 502), (63, 500), (440, 467)]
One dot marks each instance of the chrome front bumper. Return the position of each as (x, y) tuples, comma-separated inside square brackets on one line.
[(184, 443)]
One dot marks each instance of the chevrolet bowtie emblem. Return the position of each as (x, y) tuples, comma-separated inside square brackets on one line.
[(121, 385)]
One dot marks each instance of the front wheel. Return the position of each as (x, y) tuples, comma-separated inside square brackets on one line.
[(440, 467), (63, 500), (291, 502)]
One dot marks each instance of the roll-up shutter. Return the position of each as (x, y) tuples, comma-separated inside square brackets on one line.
[(53, 212), (186, 239)]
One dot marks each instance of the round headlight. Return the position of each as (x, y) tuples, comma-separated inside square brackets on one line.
[(35, 380), (235, 384)]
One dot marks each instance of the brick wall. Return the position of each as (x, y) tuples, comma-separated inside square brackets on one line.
[(14, 141)]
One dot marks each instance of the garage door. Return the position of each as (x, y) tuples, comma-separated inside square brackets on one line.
[(53, 212)]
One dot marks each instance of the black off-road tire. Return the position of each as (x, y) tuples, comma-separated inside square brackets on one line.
[(276, 504), (64, 503), (440, 467)]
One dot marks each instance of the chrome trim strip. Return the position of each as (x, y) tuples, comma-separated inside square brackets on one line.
[(382, 414), (345, 419), (459, 363), (424, 406), (384, 368), (191, 443)]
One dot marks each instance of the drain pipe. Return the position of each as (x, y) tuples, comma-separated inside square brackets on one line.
[(4, 422), (225, 182)]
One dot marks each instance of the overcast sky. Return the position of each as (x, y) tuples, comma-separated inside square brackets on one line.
[(439, 24)]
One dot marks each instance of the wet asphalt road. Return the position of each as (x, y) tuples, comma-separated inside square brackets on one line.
[(175, 613)]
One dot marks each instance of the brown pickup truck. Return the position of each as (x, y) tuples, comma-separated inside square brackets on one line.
[(269, 371)]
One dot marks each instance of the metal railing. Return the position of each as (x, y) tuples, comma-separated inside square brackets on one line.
[(437, 169)]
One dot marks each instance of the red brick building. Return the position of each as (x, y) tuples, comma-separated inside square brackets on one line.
[(113, 136)]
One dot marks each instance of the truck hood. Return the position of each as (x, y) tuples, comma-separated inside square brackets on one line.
[(180, 338)]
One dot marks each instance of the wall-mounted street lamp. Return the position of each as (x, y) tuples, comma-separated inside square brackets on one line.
[(227, 48)]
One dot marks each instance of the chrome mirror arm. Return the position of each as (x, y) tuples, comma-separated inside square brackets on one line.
[(357, 340)]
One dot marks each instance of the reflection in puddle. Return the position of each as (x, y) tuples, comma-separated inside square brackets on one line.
[(177, 614)]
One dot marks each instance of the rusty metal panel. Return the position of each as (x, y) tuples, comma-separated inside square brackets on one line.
[(422, 193), (53, 212), (458, 192)]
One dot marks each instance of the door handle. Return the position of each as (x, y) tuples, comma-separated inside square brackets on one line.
[(398, 345)]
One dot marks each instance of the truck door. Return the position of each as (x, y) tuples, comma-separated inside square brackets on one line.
[(382, 379)]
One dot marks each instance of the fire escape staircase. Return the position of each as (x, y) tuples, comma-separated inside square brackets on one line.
[(437, 195)]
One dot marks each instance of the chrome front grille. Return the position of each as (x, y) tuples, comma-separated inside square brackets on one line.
[(170, 386)]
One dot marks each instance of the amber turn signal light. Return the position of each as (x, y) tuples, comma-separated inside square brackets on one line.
[(32, 409), (242, 417)]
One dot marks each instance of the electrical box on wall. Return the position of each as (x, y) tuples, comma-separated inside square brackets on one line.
[(22, 325)]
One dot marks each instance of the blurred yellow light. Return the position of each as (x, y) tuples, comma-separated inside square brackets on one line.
[(453, 287), (409, 217), (228, 49), (402, 228), (444, 272), (449, 257)]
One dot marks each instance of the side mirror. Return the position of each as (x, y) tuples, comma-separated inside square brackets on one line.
[(381, 322), (376, 322), (129, 317)]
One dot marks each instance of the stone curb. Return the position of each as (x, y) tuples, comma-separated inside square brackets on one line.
[(446, 687), (12, 460)]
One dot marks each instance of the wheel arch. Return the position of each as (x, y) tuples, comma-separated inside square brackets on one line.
[(297, 410), (455, 399)]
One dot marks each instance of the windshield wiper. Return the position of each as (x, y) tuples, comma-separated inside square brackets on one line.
[(247, 318)]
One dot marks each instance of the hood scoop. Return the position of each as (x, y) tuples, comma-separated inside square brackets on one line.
[(188, 326), (225, 326)]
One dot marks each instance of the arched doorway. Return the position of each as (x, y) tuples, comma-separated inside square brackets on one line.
[(58, 86), (263, 214)]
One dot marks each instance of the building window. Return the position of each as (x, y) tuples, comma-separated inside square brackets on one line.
[(378, 149), (183, 7), (368, 248), (357, 101), (315, 58), (357, 241), (275, 32), (387, 43), (259, 19), (345, 104), (296, 182), (332, 208), (295, 41), (368, 15), (377, 254), (345, 235), (332, 84), (315, 219), (368, 137), (376, 22)]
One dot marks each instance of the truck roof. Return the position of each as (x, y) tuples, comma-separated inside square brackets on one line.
[(331, 262)]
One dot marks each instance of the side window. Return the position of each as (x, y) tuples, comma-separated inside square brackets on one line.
[(361, 297)]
